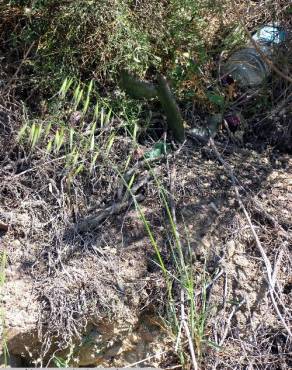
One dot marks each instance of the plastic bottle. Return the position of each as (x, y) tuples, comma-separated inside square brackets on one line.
[(270, 35), (247, 66)]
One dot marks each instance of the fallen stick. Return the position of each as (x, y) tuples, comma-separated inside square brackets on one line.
[(187, 332), (92, 222), (228, 323), (9, 83)]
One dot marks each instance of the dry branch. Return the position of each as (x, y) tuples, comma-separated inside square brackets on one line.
[(188, 334), (92, 222)]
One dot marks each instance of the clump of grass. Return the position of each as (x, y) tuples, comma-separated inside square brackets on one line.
[(186, 313), (74, 138)]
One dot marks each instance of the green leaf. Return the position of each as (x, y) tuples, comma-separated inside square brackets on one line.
[(48, 129), (92, 164), (86, 104), (76, 92), (92, 129), (49, 146), (102, 117), (131, 181), (96, 111), (22, 131), (212, 344), (60, 362), (158, 150), (79, 169), (78, 99), (216, 99), (77, 96), (59, 139), (110, 143), (65, 87), (36, 135), (32, 132), (90, 87), (87, 101), (71, 138), (92, 143), (75, 158), (108, 116)]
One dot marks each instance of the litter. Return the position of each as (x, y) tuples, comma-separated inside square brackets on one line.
[(247, 67)]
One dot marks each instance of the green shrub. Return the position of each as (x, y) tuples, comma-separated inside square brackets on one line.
[(95, 38)]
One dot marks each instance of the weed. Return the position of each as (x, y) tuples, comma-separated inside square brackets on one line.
[(191, 311), (64, 362), (77, 140)]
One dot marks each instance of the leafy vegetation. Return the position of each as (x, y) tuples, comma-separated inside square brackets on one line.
[(95, 39)]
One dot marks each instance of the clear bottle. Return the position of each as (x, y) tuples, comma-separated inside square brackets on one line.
[(247, 66)]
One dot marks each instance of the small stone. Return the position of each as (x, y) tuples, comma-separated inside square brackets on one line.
[(16, 243), (230, 248), (75, 118), (241, 261)]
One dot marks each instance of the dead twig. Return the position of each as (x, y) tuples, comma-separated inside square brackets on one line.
[(146, 359), (93, 222), (37, 167), (270, 274), (228, 323), (210, 284), (188, 334), (19, 68)]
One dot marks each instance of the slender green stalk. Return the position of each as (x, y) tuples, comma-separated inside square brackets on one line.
[(137, 89), (140, 89), (168, 102)]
